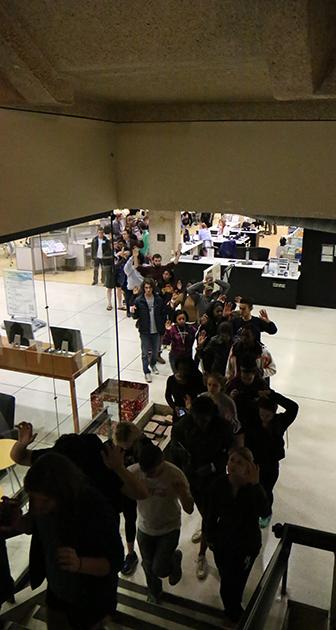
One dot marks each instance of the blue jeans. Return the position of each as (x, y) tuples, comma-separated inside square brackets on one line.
[(157, 553), (150, 343)]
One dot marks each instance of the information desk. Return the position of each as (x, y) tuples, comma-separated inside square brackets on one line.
[(51, 364), (248, 280), (253, 234)]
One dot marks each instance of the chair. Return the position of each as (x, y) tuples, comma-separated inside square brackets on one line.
[(7, 417)]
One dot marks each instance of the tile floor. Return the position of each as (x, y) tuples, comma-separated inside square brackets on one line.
[(305, 354)]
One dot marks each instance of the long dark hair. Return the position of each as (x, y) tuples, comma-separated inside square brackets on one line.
[(56, 477)]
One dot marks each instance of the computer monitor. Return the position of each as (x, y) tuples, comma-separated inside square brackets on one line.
[(24, 329), (71, 335)]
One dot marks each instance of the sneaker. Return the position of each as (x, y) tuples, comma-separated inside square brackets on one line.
[(154, 369), (202, 568), (130, 563), (176, 572), (154, 599), (148, 377), (196, 537), (160, 359), (264, 522)]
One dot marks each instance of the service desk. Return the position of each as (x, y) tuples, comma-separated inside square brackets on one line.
[(39, 361), (245, 279), (253, 234)]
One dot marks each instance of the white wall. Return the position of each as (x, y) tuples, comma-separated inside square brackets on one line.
[(53, 168), (281, 168)]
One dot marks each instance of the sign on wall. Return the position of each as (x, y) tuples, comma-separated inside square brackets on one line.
[(20, 293)]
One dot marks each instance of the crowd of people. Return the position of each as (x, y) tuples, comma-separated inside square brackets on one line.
[(227, 442)]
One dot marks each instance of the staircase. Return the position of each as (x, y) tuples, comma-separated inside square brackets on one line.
[(304, 617), (175, 613)]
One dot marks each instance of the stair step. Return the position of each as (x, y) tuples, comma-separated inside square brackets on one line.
[(303, 616)]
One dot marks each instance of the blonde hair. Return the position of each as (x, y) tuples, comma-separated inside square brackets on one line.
[(244, 452), (124, 430)]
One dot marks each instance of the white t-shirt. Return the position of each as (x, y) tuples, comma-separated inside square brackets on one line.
[(100, 248), (160, 513)]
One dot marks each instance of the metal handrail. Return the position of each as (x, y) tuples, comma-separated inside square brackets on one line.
[(257, 611)]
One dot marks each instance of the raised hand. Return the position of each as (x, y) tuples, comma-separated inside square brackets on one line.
[(201, 338), (132, 308), (168, 324), (263, 315), (26, 435)]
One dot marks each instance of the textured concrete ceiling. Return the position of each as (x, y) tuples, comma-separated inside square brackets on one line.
[(170, 59)]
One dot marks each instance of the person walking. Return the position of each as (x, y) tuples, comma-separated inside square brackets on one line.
[(236, 501), (97, 254), (150, 312), (159, 519)]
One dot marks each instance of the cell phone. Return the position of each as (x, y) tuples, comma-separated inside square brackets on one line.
[(181, 412)]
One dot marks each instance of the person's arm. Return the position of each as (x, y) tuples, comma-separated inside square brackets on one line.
[(69, 560), (258, 493), (210, 522), (268, 365), (224, 286), (195, 288), (132, 487), (134, 309), (93, 248), (291, 409), (182, 490), (167, 337), (177, 254), (265, 323), (20, 453), (128, 266)]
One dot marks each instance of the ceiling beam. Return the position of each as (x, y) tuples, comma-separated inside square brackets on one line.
[(298, 37), (26, 68)]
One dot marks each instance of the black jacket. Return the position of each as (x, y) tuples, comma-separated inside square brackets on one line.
[(206, 451), (267, 445), (94, 246), (232, 521), (142, 314)]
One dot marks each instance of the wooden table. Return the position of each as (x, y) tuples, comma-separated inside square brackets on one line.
[(6, 462), (37, 360)]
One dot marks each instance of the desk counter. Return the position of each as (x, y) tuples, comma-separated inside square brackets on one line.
[(245, 279)]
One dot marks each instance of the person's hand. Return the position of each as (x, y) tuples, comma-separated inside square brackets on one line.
[(253, 474), (26, 435), (179, 249), (168, 324), (263, 315), (68, 559), (201, 338), (113, 457), (187, 401), (132, 308)]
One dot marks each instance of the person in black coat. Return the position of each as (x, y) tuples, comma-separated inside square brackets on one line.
[(200, 445), (235, 504), (150, 313), (97, 255), (76, 544), (265, 437)]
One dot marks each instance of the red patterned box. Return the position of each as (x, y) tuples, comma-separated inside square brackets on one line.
[(134, 398)]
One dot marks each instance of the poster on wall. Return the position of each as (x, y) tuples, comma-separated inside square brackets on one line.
[(327, 253), (20, 293)]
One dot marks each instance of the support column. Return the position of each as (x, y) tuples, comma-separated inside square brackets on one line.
[(164, 233)]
